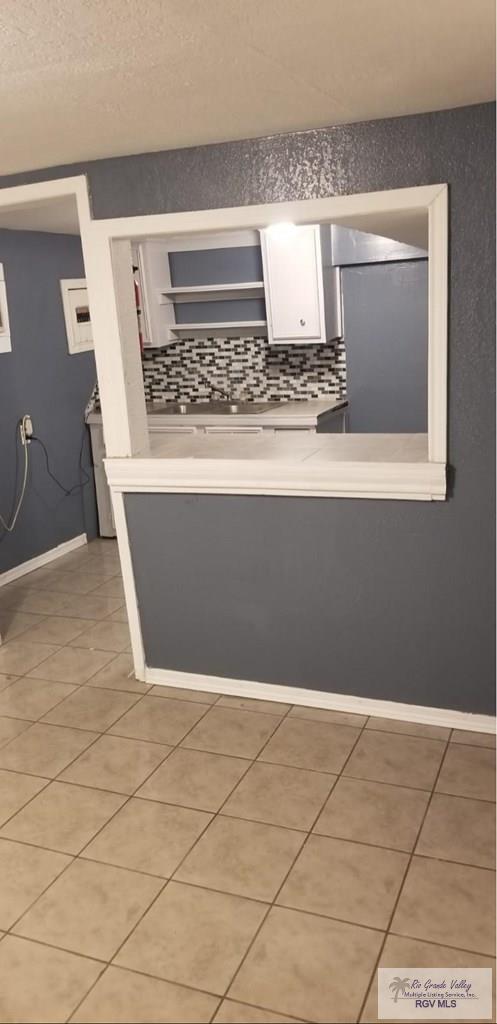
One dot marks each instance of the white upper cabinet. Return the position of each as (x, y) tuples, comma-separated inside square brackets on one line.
[(291, 258), (155, 311), (282, 284), (302, 289)]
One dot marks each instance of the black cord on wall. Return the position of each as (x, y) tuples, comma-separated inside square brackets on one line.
[(84, 477), (68, 491), (15, 508)]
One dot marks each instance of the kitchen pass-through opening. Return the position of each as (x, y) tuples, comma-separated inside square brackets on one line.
[(308, 338)]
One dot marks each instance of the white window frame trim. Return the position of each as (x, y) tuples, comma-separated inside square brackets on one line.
[(111, 235), (5, 339)]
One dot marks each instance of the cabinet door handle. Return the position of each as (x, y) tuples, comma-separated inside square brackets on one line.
[(302, 321)]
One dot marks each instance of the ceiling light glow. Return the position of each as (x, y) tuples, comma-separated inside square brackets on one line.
[(281, 229)]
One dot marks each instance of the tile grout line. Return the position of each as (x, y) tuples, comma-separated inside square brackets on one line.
[(82, 686), (138, 970), (143, 974), (220, 813), (187, 853), (63, 612), (404, 879), (221, 810), (53, 778), (10, 818), (36, 680), (120, 867), (41, 720), (112, 657), (23, 675), (273, 903), (128, 796), (56, 778), (147, 908), (76, 856), (257, 1006), (444, 945), (199, 885), (44, 616), (32, 625), (270, 904), (115, 654), (179, 984), (226, 798), (63, 682), (51, 945), (52, 588)]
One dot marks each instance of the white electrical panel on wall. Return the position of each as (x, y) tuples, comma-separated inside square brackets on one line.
[(5, 343), (77, 315)]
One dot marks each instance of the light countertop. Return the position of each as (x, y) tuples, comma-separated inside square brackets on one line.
[(311, 448), (283, 462), (303, 414)]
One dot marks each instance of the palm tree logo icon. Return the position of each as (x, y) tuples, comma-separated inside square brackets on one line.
[(398, 985)]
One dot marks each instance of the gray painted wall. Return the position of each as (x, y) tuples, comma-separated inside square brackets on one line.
[(350, 247), (218, 266), (385, 316), (311, 592), (40, 377), (383, 599)]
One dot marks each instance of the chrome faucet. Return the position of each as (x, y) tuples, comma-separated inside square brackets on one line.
[(215, 390), (224, 394)]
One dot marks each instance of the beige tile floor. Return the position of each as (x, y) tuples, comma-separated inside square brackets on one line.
[(172, 855)]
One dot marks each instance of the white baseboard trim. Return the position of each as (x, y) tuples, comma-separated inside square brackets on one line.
[(39, 560), (319, 699)]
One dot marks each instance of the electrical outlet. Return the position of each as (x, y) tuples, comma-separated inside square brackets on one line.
[(26, 429)]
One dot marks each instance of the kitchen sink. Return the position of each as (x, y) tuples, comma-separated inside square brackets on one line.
[(214, 408)]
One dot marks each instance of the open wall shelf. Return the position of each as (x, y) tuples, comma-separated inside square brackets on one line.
[(208, 330), (213, 292), (200, 292)]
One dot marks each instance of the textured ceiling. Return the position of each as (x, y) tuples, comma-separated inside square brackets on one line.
[(82, 79)]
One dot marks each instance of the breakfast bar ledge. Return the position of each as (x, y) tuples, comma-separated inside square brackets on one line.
[(346, 465)]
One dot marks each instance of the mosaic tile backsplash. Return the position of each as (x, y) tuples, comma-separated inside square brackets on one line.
[(247, 368)]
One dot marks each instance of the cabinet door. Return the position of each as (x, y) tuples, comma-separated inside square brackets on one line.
[(154, 277), (293, 284)]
